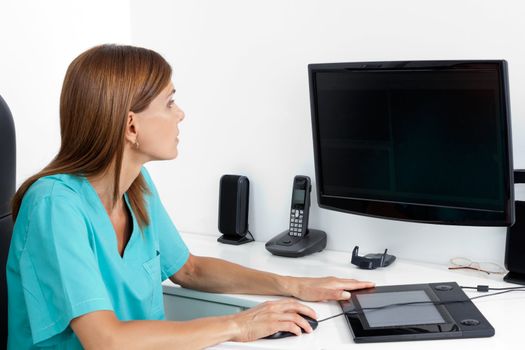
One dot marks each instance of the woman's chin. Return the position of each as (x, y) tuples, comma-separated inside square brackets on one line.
[(165, 156), (174, 154)]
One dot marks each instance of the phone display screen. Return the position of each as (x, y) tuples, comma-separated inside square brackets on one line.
[(298, 197)]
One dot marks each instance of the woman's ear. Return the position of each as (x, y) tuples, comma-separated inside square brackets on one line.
[(132, 128)]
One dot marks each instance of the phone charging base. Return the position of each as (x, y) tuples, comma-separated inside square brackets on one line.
[(293, 247)]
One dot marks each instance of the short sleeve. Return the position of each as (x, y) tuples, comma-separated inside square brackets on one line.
[(173, 251), (59, 271)]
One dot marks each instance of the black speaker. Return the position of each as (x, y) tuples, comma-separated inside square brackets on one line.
[(515, 247), (234, 195)]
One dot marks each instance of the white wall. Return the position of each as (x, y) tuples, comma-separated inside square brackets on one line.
[(38, 40), (240, 73)]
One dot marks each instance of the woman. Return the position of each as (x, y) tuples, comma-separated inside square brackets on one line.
[(92, 241)]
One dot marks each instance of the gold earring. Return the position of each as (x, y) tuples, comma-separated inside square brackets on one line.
[(136, 144)]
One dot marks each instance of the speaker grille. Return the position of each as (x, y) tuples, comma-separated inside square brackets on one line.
[(233, 205)]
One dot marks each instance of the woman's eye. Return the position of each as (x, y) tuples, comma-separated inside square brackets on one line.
[(171, 103)]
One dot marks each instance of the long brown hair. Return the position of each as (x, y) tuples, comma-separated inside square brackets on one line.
[(100, 88)]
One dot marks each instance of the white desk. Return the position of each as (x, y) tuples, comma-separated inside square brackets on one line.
[(505, 312)]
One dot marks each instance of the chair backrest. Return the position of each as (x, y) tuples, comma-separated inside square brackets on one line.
[(7, 189)]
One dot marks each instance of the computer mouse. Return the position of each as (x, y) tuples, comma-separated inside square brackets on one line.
[(283, 334)]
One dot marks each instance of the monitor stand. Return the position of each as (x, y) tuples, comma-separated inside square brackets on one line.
[(514, 277), (515, 244), (293, 247)]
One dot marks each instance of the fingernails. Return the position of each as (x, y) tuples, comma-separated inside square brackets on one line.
[(345, 295)]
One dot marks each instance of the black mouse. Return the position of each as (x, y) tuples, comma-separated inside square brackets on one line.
[(283, 334)]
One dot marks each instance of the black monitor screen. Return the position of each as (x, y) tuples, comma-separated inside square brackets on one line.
[(435, 137)]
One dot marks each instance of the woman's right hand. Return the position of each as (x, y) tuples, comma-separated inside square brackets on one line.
[(271, 317)]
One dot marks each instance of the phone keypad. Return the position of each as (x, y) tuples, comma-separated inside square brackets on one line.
[(296, 222)]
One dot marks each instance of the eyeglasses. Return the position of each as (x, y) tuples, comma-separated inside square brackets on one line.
[(487, 267)]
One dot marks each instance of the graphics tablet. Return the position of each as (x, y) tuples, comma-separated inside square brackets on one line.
[(414, 312)]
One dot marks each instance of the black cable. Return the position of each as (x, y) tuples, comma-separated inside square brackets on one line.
[(503, 292), (480, 288), (485, 288), (330, 317)]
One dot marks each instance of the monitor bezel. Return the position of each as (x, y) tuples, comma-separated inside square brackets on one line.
[(418, 212)]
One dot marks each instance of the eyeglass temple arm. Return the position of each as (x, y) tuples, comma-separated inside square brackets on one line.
[(467, 267)]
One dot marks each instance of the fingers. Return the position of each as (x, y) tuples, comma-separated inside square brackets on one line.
[(294, 323), (330, 288), (287, 313), (358, 285), (291, 327), (325, 294), (346, 283), (271, 317), (290, 305), (342, 288)]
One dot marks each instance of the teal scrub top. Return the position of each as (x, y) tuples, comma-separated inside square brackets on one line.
[(64, 262)]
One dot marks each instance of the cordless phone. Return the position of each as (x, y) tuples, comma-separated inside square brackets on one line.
[(298, 240), (300, 207)]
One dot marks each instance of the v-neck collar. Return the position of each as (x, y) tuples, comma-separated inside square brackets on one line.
[(95, 201)]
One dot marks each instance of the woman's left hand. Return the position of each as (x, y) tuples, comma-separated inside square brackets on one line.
[(323, 288)]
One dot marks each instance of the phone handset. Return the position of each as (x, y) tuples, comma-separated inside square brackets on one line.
[(300, 207), (298, 240)]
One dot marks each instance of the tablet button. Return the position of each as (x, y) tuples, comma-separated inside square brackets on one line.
[(470, 322), (444, 287)]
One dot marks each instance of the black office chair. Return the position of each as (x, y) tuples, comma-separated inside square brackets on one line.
[(7, 190)]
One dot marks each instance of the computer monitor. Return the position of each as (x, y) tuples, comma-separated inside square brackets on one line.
[(423, 141)]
